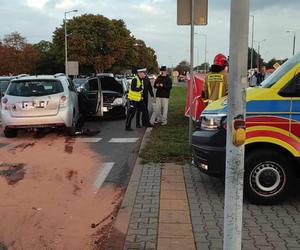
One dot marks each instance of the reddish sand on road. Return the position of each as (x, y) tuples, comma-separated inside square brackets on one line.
[(53, 204)]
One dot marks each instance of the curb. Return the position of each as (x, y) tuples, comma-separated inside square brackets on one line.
[(121, 223)]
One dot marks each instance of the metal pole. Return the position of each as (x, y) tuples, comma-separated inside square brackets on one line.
[(239, 28), (205, 45), (191, 72), (251, 63), (258, 55), (294, 41), (66, 46)]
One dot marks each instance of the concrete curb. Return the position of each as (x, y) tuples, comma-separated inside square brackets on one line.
[(123, 218)]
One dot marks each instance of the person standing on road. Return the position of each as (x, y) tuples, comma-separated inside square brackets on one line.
[(216, 85), (146, 91), (135, 99), (163, 86)]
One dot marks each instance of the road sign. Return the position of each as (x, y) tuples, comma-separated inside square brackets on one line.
[(73, 68), (184, 12), (276, 65)]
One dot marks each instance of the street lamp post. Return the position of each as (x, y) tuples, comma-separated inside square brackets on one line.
[(205, 49), (251, 62), (258, 48), (66, 41), (294, 38)]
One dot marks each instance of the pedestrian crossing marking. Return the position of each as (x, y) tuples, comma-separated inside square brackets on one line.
[(102, 173), (89, 139), (123, 140)]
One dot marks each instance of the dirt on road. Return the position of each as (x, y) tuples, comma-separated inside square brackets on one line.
[(47, 197)]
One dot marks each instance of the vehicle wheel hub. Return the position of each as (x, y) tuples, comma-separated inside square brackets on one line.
[(267, 178)]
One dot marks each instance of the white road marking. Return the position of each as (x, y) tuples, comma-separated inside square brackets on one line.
[(89, 139), (123, 140), (103, 173)]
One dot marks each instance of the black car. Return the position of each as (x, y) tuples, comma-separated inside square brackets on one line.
[(114, 92), (4, 81)]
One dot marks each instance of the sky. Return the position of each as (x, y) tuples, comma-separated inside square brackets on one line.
[(155, 22)]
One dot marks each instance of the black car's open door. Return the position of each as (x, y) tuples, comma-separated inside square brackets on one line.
[(90, 97)]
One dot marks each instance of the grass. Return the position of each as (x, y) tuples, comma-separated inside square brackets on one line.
[(170, 143)]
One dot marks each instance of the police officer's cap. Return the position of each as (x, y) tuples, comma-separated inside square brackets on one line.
[(139, 70)]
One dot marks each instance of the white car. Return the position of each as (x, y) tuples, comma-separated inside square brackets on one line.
[(39, 101)]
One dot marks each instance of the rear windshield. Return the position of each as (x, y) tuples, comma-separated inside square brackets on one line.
[(34, 88), (79, 81)]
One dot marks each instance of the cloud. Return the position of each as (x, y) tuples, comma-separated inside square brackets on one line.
[(146, 8), (39, 4)]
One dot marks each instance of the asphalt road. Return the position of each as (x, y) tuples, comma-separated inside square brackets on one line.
[(52, 183)]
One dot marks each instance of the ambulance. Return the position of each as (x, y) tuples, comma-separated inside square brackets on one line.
[(272, 146)]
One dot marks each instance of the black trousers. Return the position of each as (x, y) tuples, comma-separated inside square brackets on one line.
[(145, 114), (134, 106)]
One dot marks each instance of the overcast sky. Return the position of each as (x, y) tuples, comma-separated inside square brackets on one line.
[(154, 21)]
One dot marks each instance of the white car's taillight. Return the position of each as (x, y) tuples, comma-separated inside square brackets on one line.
[(63, 101), (4, 103)]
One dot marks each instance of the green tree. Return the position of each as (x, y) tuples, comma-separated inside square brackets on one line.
[(97, 43), (183, 67), (256, 57), (46, 63)]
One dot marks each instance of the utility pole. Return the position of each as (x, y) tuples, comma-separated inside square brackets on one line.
[(233, 207), (252, 35), (192, 15)]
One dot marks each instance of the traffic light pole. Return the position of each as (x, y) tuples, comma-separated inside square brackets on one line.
[(233, 207)]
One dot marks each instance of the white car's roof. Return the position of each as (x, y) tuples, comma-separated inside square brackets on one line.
[(42, 77)]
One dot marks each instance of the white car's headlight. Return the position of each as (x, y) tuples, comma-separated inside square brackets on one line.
[(212, 122), (118, 102)]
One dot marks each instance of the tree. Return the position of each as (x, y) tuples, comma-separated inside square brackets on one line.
[(97, 43), (46, 63), (255, 59), (183, 67), (17, 56)]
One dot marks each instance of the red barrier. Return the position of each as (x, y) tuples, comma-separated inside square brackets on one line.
[(198, 104)]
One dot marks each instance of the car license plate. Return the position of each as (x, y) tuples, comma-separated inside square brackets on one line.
[(40, 104), (27, 105)]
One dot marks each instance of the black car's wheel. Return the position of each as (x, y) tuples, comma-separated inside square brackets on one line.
[(268, 177), (10, 132)]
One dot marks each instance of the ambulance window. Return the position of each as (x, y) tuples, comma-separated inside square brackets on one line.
[(281, 71), (292, 89)]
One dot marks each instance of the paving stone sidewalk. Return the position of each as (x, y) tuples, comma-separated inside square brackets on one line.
[(264, 227)]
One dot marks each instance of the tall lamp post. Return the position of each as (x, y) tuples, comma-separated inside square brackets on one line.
[(258, 48), (294, 38), (66, 41), (252, 30), (205, 49)]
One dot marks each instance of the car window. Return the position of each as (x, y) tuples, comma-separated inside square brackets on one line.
[(4, 85), (34, 88), (71, 85), (92, 85)]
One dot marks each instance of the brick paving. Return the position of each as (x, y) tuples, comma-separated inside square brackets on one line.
[(264, 227), (163, 219)]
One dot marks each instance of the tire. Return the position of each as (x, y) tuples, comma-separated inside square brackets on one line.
[(71, 130), (10, 132), (125, 112), (268, 177)]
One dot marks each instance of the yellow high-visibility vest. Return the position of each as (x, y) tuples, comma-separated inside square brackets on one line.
[(136, 95)]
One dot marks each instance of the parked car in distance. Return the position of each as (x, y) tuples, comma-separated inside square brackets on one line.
[(38, 102)]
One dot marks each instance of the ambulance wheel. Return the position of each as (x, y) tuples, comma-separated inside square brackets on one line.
[(268, 177)]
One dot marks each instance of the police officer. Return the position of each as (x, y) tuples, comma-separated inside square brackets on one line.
[(135, 96), (216, 85)]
